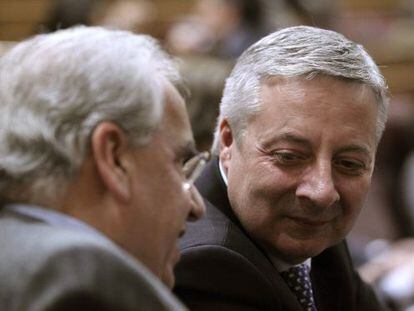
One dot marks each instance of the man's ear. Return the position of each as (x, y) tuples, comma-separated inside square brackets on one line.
[(226, 141), (108, 144)]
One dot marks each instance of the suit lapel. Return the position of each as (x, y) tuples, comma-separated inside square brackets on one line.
[(214, 190), (331, 276), (212, 187)]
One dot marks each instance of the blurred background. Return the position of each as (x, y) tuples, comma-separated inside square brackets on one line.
[(208, 35)]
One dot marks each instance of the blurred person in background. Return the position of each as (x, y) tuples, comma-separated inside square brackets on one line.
[(67, 13), (205, 78), (93, 188), (391, 272), (222, 28), (132, 15), (284, 13), (225, 28)]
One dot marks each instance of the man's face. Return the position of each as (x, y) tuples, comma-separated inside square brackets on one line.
[(298, 177), (161, 202)]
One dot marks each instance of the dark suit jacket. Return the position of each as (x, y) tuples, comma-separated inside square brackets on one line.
[(223, 269), (45, 267)]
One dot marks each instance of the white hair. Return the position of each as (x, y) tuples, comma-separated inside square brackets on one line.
[(299, 51), (55, 89)]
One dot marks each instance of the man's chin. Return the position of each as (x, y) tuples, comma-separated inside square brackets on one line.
[(296, 252), (168, 277)]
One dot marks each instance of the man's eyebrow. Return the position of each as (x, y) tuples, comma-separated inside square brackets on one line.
[(297, 139), (355, 148), (289, 137)]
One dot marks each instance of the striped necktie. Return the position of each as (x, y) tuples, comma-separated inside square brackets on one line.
[(298, 280)]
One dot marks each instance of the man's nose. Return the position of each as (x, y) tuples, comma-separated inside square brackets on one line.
[(198, 208), (318, 186)]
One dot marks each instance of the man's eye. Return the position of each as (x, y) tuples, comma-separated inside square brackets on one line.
[(187, 162), (181, 163), (351, 167), (288, 158)]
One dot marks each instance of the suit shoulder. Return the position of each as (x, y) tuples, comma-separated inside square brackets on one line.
[(210, 261), (97, 274), (213, 228), (57, 267), (217, 231), (210, 276)]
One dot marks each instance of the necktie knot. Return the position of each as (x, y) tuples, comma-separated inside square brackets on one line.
[(298, 280)]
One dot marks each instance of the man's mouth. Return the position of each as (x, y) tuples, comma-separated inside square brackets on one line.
[(314, 222)]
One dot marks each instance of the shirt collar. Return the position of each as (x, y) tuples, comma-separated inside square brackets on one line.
[(222, 173), (281, 265), (52, 217)]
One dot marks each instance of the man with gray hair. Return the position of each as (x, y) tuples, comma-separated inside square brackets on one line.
[(93, 187), (300, 120)]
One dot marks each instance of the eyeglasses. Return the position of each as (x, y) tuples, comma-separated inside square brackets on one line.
[(193, 167)]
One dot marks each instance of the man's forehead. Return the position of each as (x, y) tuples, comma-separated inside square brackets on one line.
[(297, 89), (294, 103), (287, 81), (175, 122), (175, 113)]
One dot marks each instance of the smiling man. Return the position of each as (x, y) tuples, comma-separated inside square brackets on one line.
[(300, 120), (94, 136)]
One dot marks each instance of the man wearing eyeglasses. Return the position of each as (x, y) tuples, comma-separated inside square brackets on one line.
[(93, 187), (300, 120)]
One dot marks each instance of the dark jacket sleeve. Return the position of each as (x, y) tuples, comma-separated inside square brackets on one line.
[(366, 299), (338, 285)]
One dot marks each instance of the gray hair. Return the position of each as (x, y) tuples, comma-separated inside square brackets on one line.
[(56, 88), (299, 51)]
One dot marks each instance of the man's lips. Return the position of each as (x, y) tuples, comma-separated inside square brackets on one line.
[(310, 221)]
